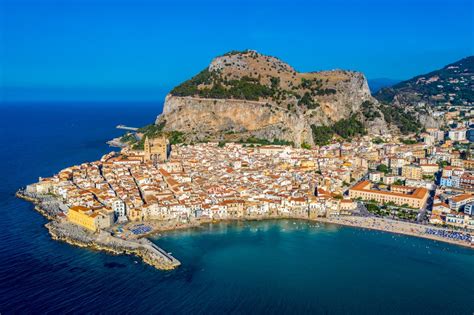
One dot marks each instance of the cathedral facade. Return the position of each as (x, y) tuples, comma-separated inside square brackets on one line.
[(156, 149)]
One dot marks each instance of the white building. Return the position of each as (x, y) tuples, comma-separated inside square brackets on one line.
[(458, 134), (118, 206), (375, 176), (469, 209), (389, 179)]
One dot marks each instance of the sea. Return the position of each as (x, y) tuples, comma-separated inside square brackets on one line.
[(281, 267)]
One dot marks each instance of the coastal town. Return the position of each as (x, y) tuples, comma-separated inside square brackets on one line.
[(420, 185)]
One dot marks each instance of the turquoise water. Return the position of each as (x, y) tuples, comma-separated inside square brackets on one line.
[(297, 266), (256, 267)]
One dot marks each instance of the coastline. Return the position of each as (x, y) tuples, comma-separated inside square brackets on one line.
[(151, 254), (371, 223), (143, 248)]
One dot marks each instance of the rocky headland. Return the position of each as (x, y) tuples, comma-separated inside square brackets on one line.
[(247, 94), (60, 229)]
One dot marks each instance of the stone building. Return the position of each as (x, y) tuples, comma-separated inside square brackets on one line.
[(156, 149), (399, 195)]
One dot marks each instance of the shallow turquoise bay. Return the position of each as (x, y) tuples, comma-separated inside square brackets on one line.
[(297, 266)]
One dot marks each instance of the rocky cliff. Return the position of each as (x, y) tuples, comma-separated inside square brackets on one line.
[(247, 94)]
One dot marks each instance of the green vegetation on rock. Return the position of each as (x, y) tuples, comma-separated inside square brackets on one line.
[(152, 131), (326, 92), (345, 128), (176, 137), (348, 128), (252, 85), (369, 110), (259, 141), (128, 138), (407, 141), (322, 135), (308, 101), (190, 87), (407, 123), (208, 84)]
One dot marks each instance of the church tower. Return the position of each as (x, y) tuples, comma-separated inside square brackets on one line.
[(146, 148)]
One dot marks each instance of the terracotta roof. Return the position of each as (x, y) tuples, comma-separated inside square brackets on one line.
[(418, 193), (461, 197), (79, 208)]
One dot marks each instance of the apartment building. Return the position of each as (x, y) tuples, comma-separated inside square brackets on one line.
[(412, 172)]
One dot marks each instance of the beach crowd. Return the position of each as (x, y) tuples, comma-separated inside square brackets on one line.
[(450, 234)]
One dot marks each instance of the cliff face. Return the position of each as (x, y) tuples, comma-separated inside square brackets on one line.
[(248, 94)]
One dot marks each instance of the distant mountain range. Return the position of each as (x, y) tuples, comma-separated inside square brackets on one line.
[(451, 85)]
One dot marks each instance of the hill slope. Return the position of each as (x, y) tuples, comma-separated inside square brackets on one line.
[(453, 85), (420, 96), (247, 94)]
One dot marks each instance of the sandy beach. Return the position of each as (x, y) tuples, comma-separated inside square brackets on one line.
[(393, 226), (373, 223)]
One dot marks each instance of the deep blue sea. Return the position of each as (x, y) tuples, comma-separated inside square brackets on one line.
[(259, 267)]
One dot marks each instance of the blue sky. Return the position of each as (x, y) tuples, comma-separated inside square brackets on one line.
[(139, 49)]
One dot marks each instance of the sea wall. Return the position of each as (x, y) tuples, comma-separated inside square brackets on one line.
[(104, 241), (62, 230)]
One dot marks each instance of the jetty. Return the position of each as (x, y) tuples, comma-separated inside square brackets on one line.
[(123, 127), (159, 252)]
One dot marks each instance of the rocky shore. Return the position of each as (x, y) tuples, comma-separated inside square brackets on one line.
[(46, 205), (60, 229), (116, 143)]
